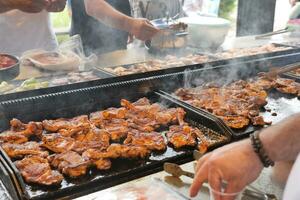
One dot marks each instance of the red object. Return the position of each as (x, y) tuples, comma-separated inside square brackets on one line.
[(6, 61)]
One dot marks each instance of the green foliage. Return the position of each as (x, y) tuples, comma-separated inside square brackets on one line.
[(226, 8), (61, 19)]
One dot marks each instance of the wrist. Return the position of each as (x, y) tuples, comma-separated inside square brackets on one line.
[(255, 158), (259, 149), (129, 24)]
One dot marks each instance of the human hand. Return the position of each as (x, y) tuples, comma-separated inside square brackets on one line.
[(56, 5), (236, 164), (142, 29), (130, 38), (293, 2), (30, 6)]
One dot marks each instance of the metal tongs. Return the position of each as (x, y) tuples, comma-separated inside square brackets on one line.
[(275, 72), (252, 192), (285, 30)]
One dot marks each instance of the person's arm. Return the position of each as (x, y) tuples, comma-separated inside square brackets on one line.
[(105, 13), (56, 5), (238, 165), (5, 6), (30, 6)]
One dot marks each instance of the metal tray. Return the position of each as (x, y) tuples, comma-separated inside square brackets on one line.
[(281, 104), (281, 58), (211, 57), (9, 180), (83, 101), (52, 88)]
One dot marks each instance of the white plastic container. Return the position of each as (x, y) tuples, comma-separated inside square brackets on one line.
[(206, 32)]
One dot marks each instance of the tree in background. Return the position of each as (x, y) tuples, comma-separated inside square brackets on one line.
[(226, 8)]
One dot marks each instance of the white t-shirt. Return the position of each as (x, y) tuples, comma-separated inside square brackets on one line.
[(292, 189), (156, 9), (20, 31)]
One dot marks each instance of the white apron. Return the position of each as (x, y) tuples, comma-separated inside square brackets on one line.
[(292, 188), (20, 31)]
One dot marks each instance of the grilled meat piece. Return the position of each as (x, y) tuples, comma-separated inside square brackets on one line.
[(236, 122), (96, 157), (94, 139), (171, 115), (67, 127), (117, 128), (287, 86), (69, 163), (208, 139), (235, 103), (21, 150), (111, 120), (57, 143), (36, 169), (122, 151), (259, 121), (181, 136), (144, 116), (32, 128), (12, 137), (264, 83), (150, 140), (108, 114)]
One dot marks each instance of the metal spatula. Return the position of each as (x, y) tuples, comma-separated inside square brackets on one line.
[(175, 170)]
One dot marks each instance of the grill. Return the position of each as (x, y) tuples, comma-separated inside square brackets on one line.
[(83, 101)]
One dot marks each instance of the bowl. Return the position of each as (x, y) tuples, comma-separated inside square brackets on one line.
[(9, 72), (206, 32), (173, 36)]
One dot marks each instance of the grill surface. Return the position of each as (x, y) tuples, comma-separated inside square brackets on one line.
[(77, 102)]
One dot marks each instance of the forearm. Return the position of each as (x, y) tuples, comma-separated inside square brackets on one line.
[(282, 141), (105, 13), (5, 5)]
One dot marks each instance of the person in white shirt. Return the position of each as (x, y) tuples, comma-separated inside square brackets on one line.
[(25, 25), (238, 164), (155, 9)]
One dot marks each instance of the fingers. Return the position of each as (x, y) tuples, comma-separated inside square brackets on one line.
[(201, 176), (56, 5), (231, 189), (215, 181), (201, 161)]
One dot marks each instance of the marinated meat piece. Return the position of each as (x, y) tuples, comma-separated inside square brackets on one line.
[(71, 126), (181, 136), (69, 163), (103, 164), (117, 128), (235, 103), (144, 116), (96, 157), (287, 86), (94, 139), (207, 140), (259, 121), (171, 115), (264, 83), (12, 137), (97, 118), (123, 151), (143, 124), (150, 140), (21, 150), (37, 170), (57, 143), (236, 122), (32, 128), (111, 120)]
